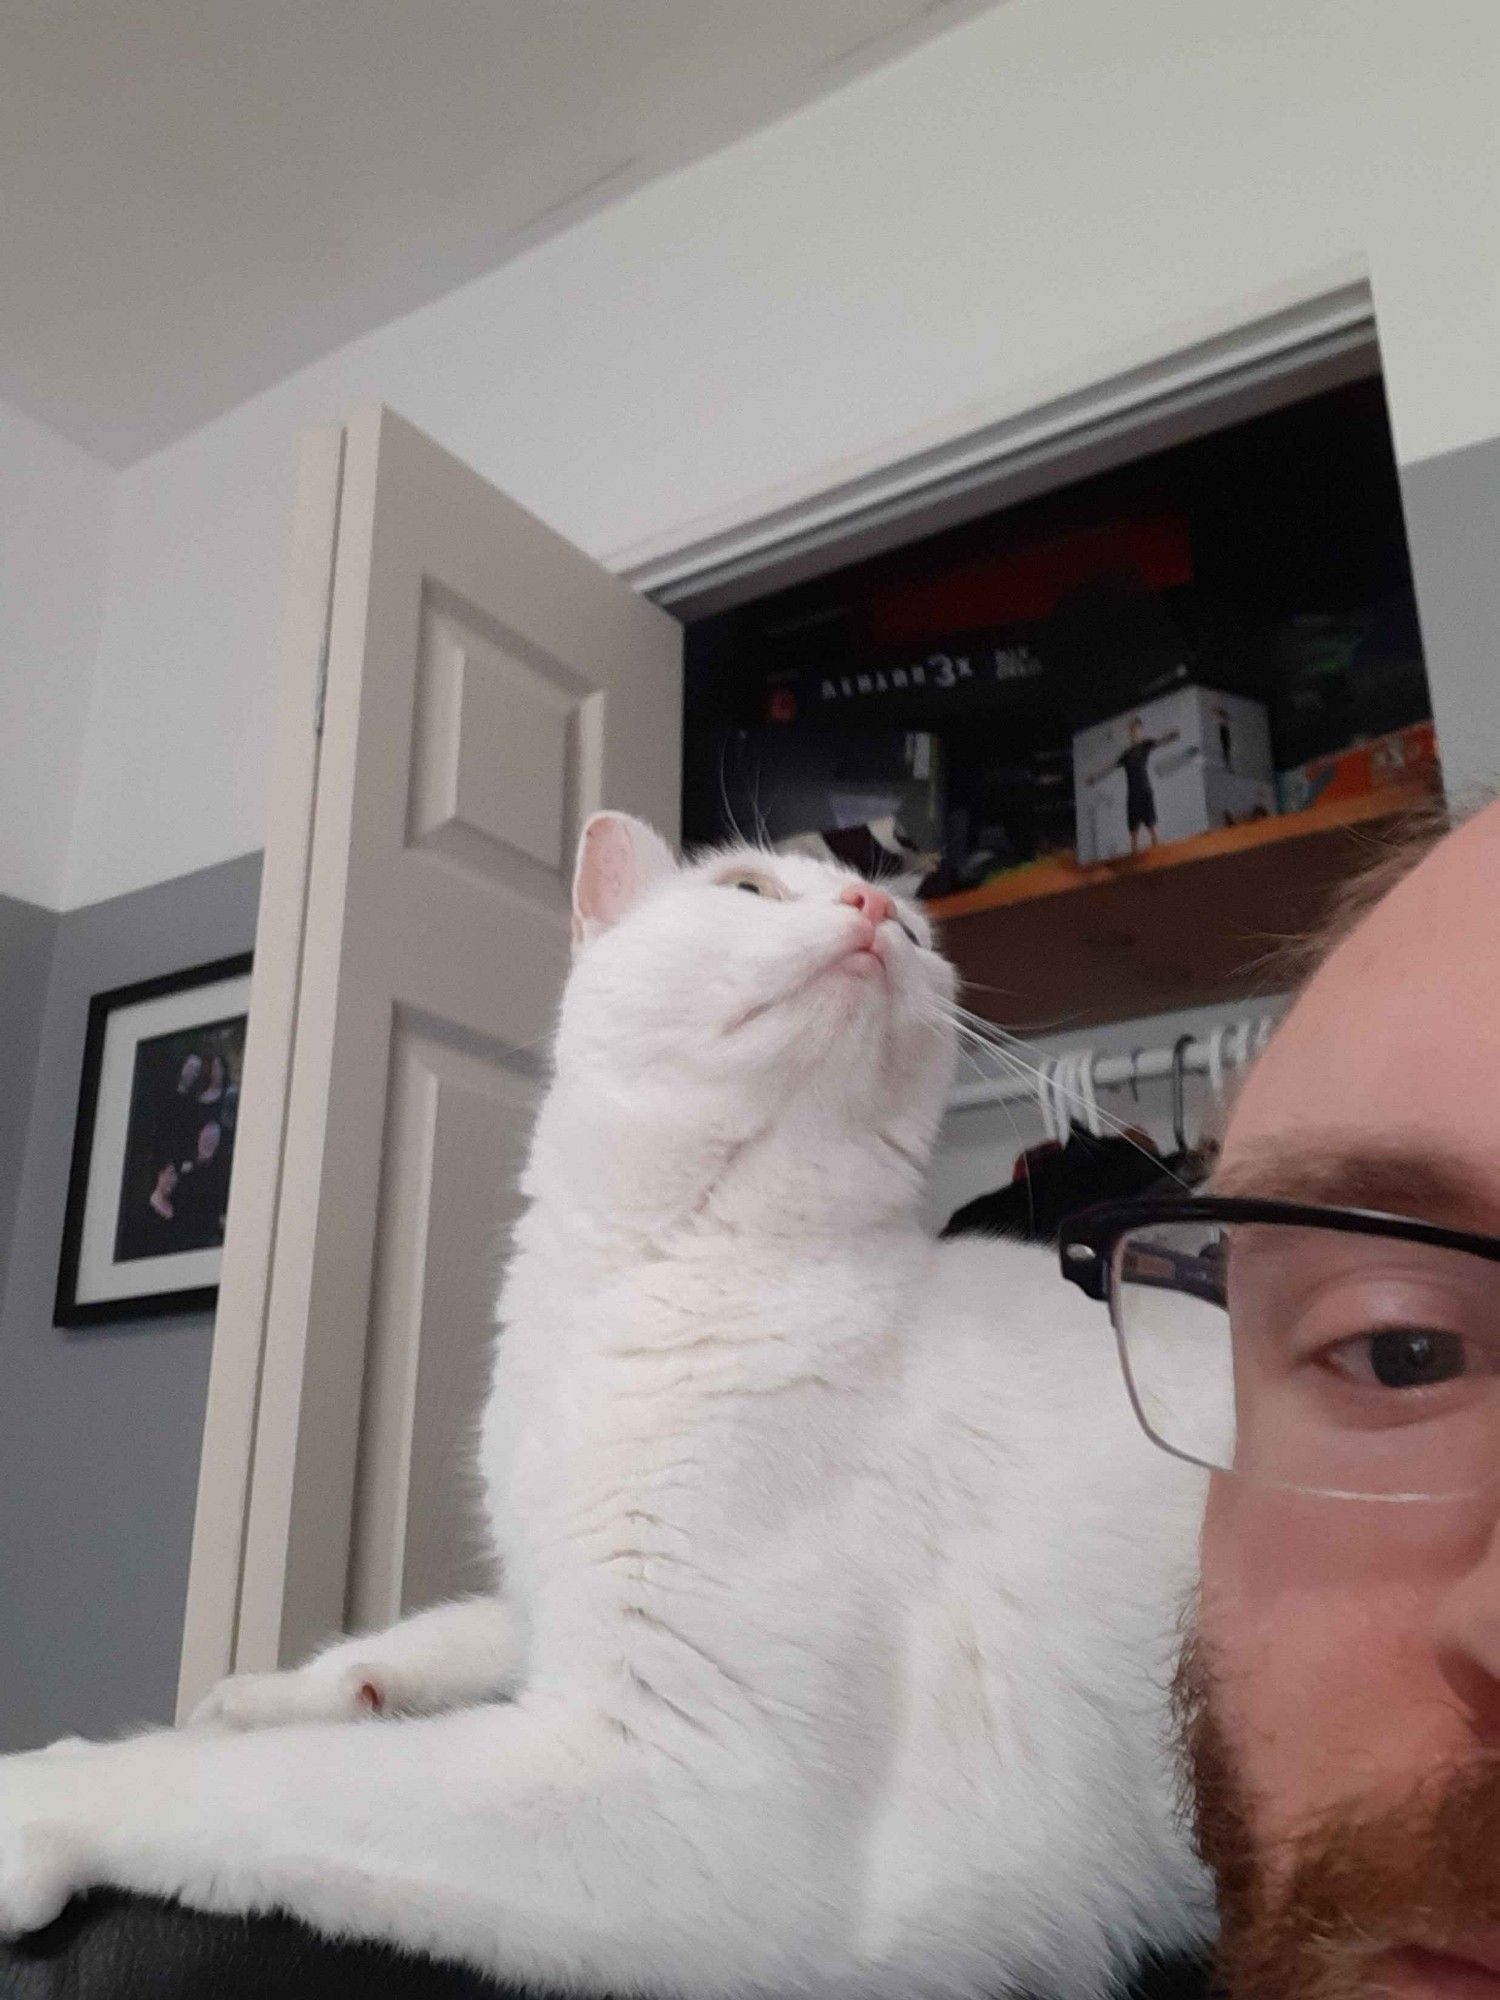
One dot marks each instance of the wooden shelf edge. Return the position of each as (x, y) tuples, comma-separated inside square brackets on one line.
[(1059, 877)]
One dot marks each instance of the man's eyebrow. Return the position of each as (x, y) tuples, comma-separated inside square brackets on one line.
[(1431, 1186)]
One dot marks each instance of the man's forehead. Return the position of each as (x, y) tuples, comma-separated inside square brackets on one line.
[(1388, 1065)]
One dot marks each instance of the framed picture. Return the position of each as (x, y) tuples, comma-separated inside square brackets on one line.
[(152, 1149)]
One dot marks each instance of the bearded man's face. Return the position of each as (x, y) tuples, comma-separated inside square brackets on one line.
[(1341, 1699), (1399, 1898)]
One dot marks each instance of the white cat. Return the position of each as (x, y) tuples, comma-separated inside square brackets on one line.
[(838, 1582)]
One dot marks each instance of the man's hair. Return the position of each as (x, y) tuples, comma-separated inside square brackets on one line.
[(1401, 845)]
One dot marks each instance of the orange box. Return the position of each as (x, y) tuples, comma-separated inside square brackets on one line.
[(1362, 768)]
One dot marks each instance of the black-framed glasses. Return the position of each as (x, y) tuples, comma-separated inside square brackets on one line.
[(1321, 1350)]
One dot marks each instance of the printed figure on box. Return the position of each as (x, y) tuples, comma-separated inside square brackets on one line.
[(1140, 794), (1190, 760)]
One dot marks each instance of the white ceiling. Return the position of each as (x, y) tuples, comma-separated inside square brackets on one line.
[(198, 196)]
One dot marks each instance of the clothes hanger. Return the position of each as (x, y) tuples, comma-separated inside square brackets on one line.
[(1044, 1103), (1136, 1135), (1062, 1116), (1242, 1044), (1090, 1094), (1064, 1096), (1179, 1092)]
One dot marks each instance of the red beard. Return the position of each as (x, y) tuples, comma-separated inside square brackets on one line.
[(1348, 1890)]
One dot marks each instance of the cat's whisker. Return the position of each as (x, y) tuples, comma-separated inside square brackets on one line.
[(1075, 1099), (1018, 1059), (1015, 1133), (968, 1056), (724, 796), (991, 1029), (964, 1033), (978, 986), (1001, 1040), (978, 1047), (1060, 1024), (762, 830), (1000, 1037)]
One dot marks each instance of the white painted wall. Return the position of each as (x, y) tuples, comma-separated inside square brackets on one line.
[(54, 515), (1051, 192)]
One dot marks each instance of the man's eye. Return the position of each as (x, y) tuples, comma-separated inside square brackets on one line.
[(1403, 1357)]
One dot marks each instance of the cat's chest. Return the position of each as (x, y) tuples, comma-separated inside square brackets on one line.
[(762, 1348), (782, 1291)]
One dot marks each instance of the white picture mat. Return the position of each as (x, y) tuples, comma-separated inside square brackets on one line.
[(99, 1276)]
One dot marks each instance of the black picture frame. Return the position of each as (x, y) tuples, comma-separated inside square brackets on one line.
[(73, 1307)]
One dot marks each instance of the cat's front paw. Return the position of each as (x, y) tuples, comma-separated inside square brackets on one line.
[(42, 1834), (267, 1701), (42, 1866)]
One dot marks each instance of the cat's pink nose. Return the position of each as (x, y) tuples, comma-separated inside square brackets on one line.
[(871, 902)]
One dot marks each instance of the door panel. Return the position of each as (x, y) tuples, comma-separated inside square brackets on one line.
[(459, 1110), (488, 687)]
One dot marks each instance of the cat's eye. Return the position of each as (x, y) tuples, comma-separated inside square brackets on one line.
[(753, 884)]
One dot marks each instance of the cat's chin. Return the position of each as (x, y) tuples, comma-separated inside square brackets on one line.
[(862, 967), (866, 963)]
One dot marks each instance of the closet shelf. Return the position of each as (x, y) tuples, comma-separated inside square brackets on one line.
[(1193, 923)]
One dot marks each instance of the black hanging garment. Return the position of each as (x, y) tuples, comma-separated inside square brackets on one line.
[(1053, 1182)]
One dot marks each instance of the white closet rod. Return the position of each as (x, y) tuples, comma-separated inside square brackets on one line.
[(1239, 1043)]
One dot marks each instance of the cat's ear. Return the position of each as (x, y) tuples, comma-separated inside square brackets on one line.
[(619, 858)]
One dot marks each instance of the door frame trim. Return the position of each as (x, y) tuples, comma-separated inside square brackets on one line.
[(216, 1564), (1254, 364)]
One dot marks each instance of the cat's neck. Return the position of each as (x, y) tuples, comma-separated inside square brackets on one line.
[(651, 1166)]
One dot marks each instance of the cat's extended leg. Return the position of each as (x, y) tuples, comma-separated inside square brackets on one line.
[(448, 1657), (531, 1840)]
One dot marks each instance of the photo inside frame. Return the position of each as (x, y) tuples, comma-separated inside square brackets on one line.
[(179, 1140), (159, 1113)]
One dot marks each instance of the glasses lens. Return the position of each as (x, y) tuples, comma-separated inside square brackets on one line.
[(1319, 1359)]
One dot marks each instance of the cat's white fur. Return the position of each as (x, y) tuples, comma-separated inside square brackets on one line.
[(839, 1584)]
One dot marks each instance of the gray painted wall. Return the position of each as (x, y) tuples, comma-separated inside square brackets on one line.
[(100, 1429), (1452, 507)]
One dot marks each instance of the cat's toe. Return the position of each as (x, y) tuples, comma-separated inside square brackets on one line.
[(229, 1705), (263, 1701), (251, 1701), (41, 1867)]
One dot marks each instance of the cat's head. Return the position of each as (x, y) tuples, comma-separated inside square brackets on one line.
[(773, 979)]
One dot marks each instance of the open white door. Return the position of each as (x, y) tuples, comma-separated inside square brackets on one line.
[(487, 687)]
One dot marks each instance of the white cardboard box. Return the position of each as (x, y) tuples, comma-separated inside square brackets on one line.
[(1190, 760)]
